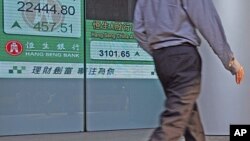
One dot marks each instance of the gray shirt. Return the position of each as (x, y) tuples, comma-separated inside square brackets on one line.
[(164, 23)]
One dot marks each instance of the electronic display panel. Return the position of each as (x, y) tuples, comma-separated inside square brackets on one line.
[(41, 39), (112, 51)]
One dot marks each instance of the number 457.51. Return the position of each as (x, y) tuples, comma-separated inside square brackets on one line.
[(52, 26)]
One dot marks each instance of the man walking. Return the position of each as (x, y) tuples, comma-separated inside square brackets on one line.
[(166, 29)]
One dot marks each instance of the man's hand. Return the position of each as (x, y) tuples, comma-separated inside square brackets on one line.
[(239, 75)]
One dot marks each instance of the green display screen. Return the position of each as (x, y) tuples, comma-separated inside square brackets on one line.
[(45, 39), (112, 52), (41, 39)]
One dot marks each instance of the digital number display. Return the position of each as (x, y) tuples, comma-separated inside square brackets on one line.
[(108, 50), (41, 7), (60, 18)]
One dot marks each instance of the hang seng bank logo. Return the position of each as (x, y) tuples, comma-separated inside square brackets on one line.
[(14, 48), (43, 15)]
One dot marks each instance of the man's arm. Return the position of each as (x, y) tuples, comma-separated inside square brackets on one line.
[(205, 17), (139, 29)]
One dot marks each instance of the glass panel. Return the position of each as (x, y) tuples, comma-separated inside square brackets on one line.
[(41, 61), (123, 91)]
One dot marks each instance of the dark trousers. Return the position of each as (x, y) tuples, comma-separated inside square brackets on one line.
[(179, 70)]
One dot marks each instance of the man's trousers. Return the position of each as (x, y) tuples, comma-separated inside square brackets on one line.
[(179, 70)]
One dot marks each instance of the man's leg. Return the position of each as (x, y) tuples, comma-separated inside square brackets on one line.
[(179, 70), (194, 130)]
